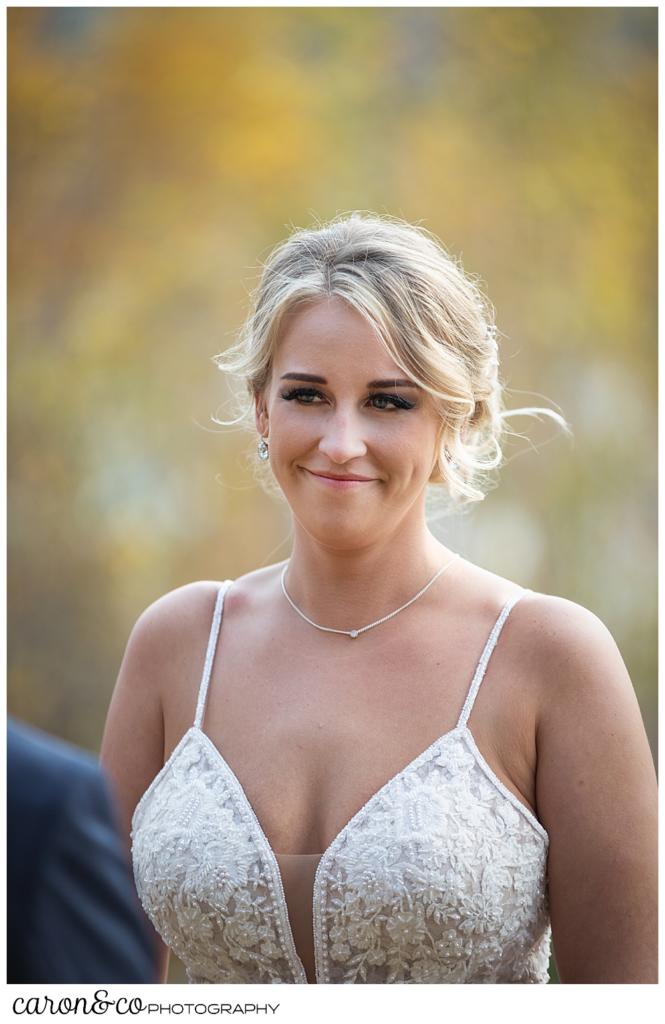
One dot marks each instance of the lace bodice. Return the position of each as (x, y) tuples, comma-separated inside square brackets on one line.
[(439, 878)]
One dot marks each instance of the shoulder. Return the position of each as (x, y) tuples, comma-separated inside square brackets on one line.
[(556, 618), (254, 593), (177, 608), (48, 778), (582, 689), (549, 636), (563, 652), (167, 644), (35, 756), (181, 614), (176, 626), (570, 647), (186, 607)]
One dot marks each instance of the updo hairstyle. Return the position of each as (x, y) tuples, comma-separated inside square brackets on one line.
[(431, 316)]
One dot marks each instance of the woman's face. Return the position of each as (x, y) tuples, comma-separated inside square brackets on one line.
[(352, 442)]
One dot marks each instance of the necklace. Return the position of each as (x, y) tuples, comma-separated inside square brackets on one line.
[(353, 633)]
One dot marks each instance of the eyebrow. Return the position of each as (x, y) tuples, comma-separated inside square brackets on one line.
[(391, 382)]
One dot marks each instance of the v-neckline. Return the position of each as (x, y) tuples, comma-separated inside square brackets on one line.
[(296, 962), (460, 729), (297, 966)]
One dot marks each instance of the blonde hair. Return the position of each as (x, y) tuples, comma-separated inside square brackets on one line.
[(432, 317)]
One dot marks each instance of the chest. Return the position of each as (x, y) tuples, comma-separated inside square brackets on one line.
[(438, 878), (313, 731)]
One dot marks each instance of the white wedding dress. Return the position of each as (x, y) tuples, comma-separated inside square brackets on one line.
[(439, 878)]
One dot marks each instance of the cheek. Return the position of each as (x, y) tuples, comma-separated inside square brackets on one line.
[(294, 438), (282, 417), (413, 450), (292, 432)]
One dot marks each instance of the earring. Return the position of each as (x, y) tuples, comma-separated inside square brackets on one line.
[(262, 449)]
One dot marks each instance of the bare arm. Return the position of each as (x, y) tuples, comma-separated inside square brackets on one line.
[(596, 793), (132, 750)]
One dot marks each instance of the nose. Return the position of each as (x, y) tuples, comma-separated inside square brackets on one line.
[(342, 439)]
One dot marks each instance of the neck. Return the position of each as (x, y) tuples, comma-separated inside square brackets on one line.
[(348, 589)]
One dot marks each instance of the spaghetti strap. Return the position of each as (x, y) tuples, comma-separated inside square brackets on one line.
[(210, 653), (485, 657)]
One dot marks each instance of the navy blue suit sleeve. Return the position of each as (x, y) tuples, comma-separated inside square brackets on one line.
[(87, 926)]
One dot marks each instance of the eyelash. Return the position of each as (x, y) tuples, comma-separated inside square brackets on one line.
[(297, 393)]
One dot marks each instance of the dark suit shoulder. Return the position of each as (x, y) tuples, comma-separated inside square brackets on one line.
[(72, 911), (31, 752), (42, 774)]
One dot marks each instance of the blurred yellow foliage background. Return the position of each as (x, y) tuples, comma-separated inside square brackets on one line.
[(156, 155)]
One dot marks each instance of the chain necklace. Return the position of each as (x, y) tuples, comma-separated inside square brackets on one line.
[(353, 633)]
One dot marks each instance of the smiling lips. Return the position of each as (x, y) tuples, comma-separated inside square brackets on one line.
[(333, 480)]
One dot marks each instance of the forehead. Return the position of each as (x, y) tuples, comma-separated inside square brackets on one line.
[(329, 333)]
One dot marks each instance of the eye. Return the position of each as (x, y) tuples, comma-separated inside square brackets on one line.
[(384, 401), (304, 396)]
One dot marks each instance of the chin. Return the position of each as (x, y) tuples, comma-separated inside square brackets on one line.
[(340, 532)]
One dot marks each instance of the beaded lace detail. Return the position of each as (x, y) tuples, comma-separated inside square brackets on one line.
[(439, 878)]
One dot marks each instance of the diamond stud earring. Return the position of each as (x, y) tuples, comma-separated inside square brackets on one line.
[(262, 449)]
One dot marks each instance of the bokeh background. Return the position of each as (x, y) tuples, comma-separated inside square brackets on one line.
[(156, 155)]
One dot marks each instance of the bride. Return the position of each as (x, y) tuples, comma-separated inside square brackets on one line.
[(377, 762)]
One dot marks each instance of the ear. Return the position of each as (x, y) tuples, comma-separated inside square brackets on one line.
[(261, 414)]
